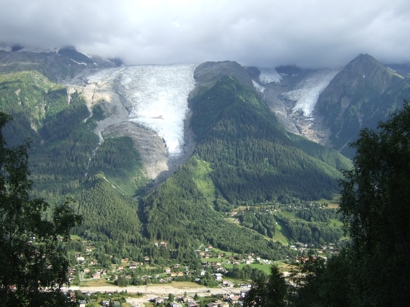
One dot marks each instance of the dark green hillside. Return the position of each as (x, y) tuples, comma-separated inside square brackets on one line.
[(352, 100), (178, 213), (62, 144), (109, 217), (253, 158), (31, 98), (242, 155)]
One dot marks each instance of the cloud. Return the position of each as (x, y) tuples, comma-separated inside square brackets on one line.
[(308, 33)]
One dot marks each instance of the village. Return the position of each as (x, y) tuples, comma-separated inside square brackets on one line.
[(222, 280)]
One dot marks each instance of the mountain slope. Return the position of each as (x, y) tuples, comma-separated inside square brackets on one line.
[(58, 66), (351, 100), (252, 156), (243, 155)]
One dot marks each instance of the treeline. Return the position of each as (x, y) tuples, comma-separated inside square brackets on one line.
[(308, 224), (246, 273), (316, 233), (319, 215), (263, 223)]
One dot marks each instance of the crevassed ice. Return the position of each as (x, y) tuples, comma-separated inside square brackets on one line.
[(269, 75), (159, 98), (309, 90)]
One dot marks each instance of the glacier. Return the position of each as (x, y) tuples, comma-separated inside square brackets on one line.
[(308, 91), (157, 96)]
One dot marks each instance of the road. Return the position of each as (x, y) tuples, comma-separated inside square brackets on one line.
[(152, 291)]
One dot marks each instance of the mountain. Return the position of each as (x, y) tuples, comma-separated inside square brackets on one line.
[(359, 96), (166, 153), (57, 65), (243, 156)]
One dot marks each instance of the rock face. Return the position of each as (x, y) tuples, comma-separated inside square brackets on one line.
[(150, 146), (352, 100), (59, 65)]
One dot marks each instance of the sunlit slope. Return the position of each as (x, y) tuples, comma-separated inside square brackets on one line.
[(243, 155)]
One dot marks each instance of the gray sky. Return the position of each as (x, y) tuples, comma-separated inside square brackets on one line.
[(264, 33)]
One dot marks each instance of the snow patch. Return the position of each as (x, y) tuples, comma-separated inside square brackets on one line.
[(269, 75), (79, 63)]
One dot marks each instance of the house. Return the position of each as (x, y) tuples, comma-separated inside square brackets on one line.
[(81, 303), (167, 270), (218, 276), (96, 275)]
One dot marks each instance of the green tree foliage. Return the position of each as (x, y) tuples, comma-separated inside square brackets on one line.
[(375, 203), (318, 283), (178, 207), (33, 261), (374, 269), (252, 157), (268, 293)]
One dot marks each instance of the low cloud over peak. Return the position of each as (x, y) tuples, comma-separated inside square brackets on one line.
[(259, 32)]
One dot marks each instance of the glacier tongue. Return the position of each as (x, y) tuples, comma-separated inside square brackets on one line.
[(158, 97), (309, 90)]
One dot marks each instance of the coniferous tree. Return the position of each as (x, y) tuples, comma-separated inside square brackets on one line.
[(33, 261), (376, 207)]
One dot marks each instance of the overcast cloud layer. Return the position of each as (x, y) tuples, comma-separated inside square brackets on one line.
[(263, 33)]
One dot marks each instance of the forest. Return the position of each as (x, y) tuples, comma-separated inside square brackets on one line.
[(242, 156)]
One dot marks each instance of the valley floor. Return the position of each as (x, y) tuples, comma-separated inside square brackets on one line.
[(150, 292)]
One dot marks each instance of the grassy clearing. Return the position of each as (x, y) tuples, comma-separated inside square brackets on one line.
[(203, 180), (281, 233), (335, 223), (332, 203)]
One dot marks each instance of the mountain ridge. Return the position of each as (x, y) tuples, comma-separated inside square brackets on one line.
[(242, 156)]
